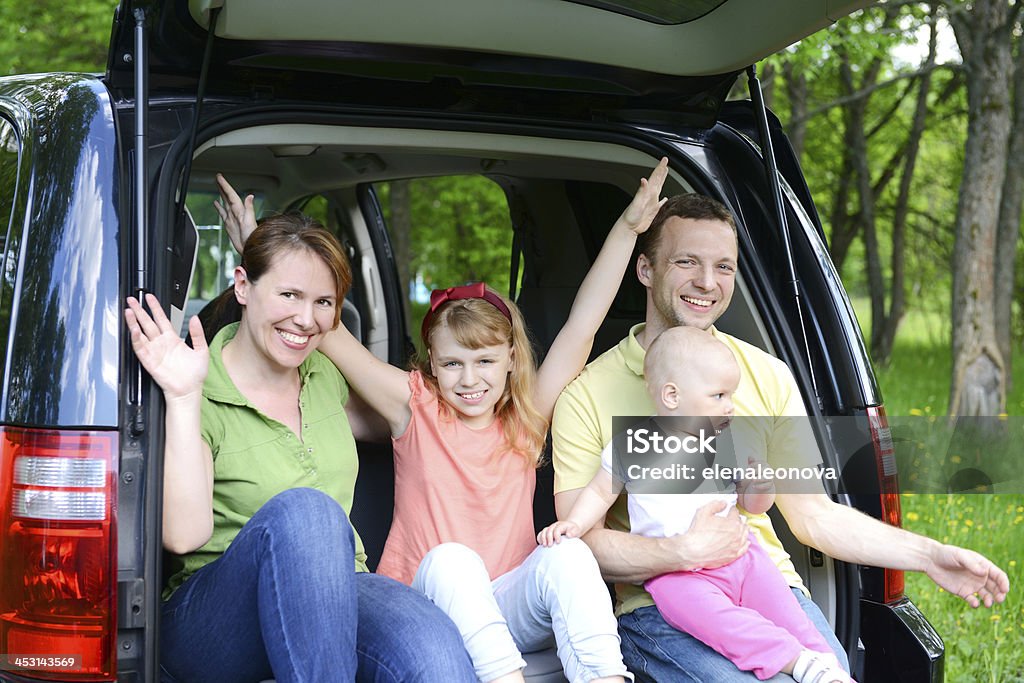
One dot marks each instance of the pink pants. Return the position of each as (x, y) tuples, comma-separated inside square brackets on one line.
[(744, 610)]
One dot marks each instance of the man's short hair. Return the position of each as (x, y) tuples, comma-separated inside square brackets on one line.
[(690, 205)]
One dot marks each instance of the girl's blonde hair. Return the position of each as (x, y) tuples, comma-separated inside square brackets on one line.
[(476, 323)]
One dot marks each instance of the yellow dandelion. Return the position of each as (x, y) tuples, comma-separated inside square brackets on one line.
[(1018, 519), (969, 522), (956, 459), (1013, 563), (913, 516), (916, 411), (1020, 508), (994, 617)]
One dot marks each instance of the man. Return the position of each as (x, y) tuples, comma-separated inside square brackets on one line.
[(688, 261)]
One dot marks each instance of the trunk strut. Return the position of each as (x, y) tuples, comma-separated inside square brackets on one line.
[(775, 185), (138, 421)]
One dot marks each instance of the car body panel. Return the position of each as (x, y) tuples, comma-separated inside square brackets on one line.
[(62, 245)]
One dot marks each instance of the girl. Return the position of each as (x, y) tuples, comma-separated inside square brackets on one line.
[(468, 426), (269, 577)]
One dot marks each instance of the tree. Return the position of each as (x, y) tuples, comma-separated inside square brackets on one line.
[(1008, 232), (46, 35), (869, 148), (984, 31)]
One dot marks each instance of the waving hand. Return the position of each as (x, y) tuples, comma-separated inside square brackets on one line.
[(178, 370)]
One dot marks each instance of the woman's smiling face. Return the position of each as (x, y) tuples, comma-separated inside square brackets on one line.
[(290, 308)]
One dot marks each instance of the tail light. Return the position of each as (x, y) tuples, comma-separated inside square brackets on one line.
[(58, 553), (885, 456)]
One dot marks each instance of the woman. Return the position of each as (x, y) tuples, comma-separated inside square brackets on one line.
[(260, 465)]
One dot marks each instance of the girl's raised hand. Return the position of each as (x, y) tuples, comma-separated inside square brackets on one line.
[(178, 370), (647, 200), (239, 216)]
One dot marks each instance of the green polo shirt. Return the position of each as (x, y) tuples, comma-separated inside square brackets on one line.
[(256, 457)]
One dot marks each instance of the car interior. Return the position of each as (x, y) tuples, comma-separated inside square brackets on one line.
[(563, 195)]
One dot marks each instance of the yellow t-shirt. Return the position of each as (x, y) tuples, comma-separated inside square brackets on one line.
[(613, 385)]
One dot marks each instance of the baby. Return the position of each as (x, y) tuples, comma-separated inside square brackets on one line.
[(743, 610)]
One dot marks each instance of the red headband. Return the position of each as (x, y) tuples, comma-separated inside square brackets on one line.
[(477, 290)]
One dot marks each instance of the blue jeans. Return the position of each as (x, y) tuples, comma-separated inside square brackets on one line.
[(654, 651), (284, 602)]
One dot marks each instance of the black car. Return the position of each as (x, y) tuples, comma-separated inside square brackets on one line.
[(312, 105)]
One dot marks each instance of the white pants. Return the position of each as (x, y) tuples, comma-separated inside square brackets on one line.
[(555, 597)]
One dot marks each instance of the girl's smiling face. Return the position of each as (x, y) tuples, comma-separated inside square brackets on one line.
[(471, 381)]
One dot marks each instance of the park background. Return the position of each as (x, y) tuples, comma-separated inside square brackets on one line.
[(908, 119)]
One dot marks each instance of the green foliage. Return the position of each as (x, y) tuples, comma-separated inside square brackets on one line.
[(44, 35), (461, 232), (901, 45)]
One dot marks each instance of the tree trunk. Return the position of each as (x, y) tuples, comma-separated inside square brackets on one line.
[(984, 34), (401, 239), (856, 124), (844, 230), (882, 343), (1008, 231), (796, 90)]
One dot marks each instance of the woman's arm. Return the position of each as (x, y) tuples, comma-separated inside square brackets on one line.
[(383, 387), (188, 462), (568, 353)]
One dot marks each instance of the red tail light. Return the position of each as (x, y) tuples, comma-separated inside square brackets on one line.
[(885, 455), (58, 553)]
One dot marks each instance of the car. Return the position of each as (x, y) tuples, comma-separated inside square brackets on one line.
[(315, 105)]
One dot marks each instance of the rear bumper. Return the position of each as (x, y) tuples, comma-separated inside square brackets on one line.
[(900, 644)]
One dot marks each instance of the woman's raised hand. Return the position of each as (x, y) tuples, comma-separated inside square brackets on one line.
[(647, 200), (239, 216), (178, 370)]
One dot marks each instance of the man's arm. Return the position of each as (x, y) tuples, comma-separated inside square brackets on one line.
[(851, 536), (711, 541)]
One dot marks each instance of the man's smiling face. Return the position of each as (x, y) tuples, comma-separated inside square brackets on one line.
[(691, 277)]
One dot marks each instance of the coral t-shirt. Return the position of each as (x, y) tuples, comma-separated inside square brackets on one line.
[(453, 483)]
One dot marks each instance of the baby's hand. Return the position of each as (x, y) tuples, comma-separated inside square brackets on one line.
[(755, 486), (553, 534)]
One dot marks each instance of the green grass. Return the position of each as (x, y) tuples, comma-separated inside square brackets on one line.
[(982, 644)]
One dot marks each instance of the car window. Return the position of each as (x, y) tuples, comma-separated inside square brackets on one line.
[(446, 231), (216, 259)]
